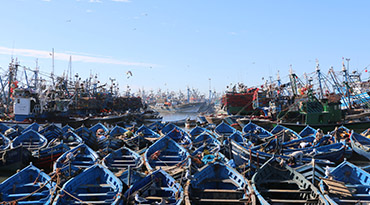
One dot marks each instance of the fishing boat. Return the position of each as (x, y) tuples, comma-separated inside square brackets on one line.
[(29, 186), (51, 132), (277, 183), (80, 157), (223, 131), (289, 133), (14, 158), (158, 187), (360, 144), (156, 126), (122, 159), (346, 184), (255, 156), (34, 126), (147, 133), (45, 157), (67, 128), (3, 128), (87, 136), (31, 140), (197, 131), (69, 138), (332, 152), (129, 177), (206, 140), (96, 185), (255, 133), (168, 128), (181, 137), (217, 184), (4, 142), (117, 131), (307, 131), (166, 154)]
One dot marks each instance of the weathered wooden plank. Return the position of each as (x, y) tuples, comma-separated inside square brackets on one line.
[(291, 201), (285, 190), (220, 190)]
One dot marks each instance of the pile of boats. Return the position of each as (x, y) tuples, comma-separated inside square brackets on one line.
[(166, 164)]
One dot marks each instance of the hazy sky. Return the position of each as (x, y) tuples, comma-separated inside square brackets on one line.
[(172, 44)]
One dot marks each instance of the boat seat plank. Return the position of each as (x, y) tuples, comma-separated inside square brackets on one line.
[(29, 202), (220, 190), (352, 201), (358, 185), (218, 180), (286, 191), (291, 201), (94, 185), (26, 194), (95, 194), (92, 202), (280, 181), (124, 161), (220, 200)]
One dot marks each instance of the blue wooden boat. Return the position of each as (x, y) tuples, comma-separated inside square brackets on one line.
[(46, 156), (81, 157), (156, 126), (97, 127), (117, 131), (3, 128), (346, 184), (29, 186), (69, 138), (168, 128), (67, 128), (87, 136), (360, 144), (31, 140), (223, 131), (196, 131), (277, 183), (4, 142), (130, 177), (288, 133), (333, 152), (51, 132), (34, 126), (307, 131), (181, 137), (258, 158), (206, 140), (122, 159), (137, 143), (158, 187), (167, 155), (14, 158), (96, 185), (255, 133), (217, 183), (341, 133), (147, 133)]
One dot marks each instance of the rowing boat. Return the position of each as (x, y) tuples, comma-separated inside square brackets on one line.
[(166, 154), (29, 186), (217, 183), (346, 184), (96, 185), (80, 157), (122, 159), (156, 188), (276, 182), (31, 140), (360, 144)]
